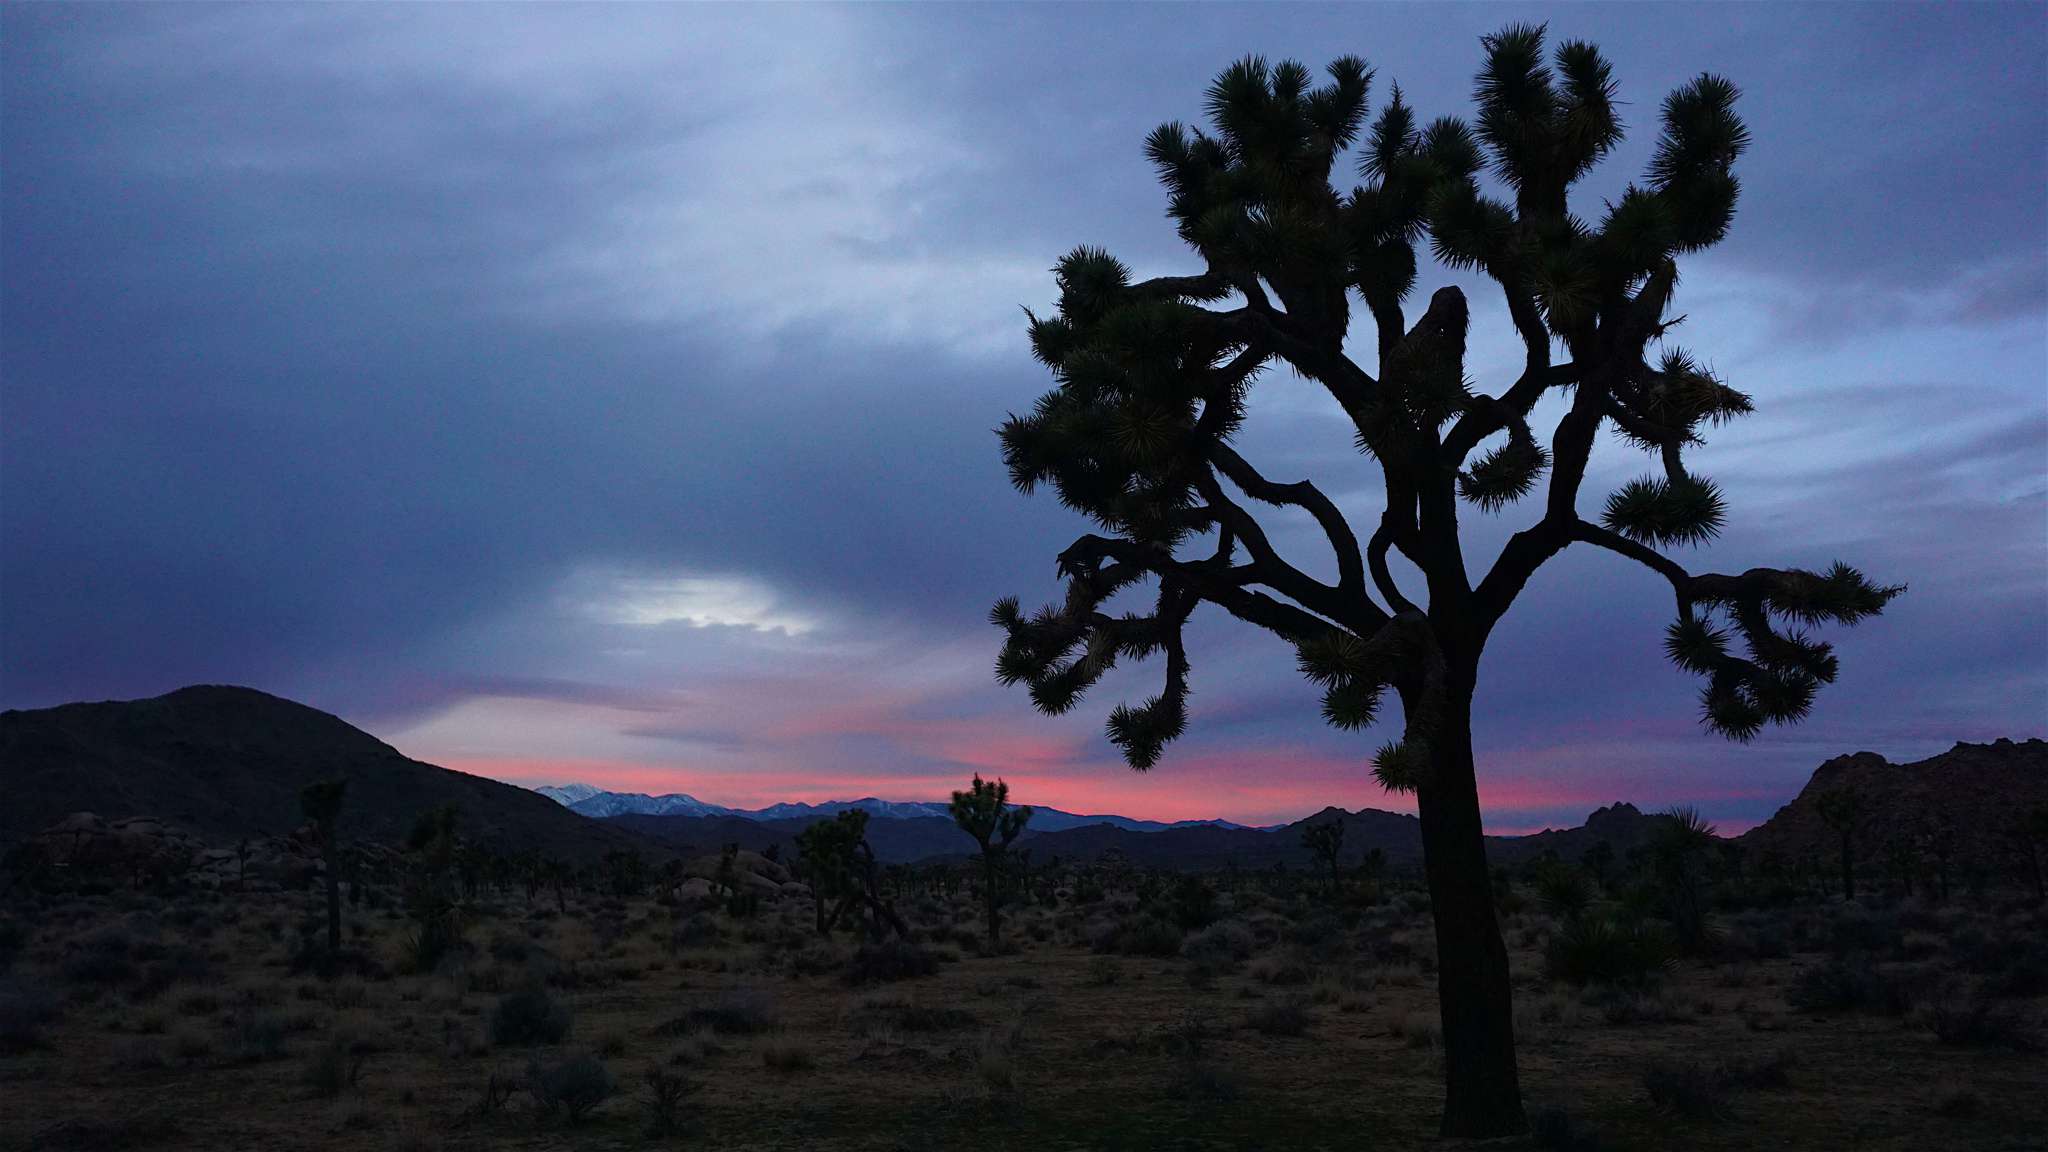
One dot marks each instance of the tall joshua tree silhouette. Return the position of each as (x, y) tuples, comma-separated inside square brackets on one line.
[(1153, 380)]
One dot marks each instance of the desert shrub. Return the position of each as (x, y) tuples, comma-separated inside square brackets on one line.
[(259, 1036), (146, 1129), (734, 1014), (1552, 1128), (665, 1093), (1286, 1016), (168, 967), (1840, 985), (1980, 1024), (191, 1044), (696, 931), (1223, 943), (1619, 1004), (1194, 903), (1282, 971), (428, 944), (1858, 929), (105, 958), (1956, 1101), (527, 1017), (335, 1066), (1770, 1070), (506, 948), (1202, 1082), (570, 1087), (910, 1016), (1562, 890), (1104, 971), (24, 1010), (1141, 935), (995, 1062), (889, 961), (1318, 933), (1421, 1030), (1596, 950), (1686, 1089), (2014, 966), (786, 1057)]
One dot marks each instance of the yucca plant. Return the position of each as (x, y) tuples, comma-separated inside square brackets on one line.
[(1153, 380)]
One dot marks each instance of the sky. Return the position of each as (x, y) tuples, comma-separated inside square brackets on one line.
[(607, 394)]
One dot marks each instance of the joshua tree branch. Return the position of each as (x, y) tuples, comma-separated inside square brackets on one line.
[(1305, 495)]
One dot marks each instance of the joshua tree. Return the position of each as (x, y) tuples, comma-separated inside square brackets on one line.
[(1325, 842), (826, 851), (431, 895), (983, 812), (1839, 809), (321, 804), (1680, 851), (1153, 380), (841, 869)]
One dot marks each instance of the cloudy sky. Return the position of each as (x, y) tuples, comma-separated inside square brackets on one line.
[(606, 394)]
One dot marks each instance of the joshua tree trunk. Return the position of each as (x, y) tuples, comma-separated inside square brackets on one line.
[(995, 920), (1483, 1095)]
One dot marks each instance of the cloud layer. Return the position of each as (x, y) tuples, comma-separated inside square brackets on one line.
[(565, 395)]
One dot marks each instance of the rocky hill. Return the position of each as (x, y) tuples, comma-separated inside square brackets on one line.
[(1976, 790), (225, 763)]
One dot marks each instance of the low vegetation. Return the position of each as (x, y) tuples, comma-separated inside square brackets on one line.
[(1124, 1006)]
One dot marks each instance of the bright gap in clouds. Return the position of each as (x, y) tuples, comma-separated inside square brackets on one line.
[(698, 601)]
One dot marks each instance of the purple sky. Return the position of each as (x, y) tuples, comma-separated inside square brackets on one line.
[(606, 394)]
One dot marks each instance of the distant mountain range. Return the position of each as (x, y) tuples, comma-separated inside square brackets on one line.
[(225, 763), (1190, 846), (588, 800)]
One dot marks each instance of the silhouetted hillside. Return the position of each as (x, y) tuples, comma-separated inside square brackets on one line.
[(1192, 847), (1976, 790), (1622, 825), (225, 762)]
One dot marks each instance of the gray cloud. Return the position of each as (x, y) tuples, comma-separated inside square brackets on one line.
[(342, 343)]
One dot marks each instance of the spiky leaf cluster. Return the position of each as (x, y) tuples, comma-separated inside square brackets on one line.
[(1505, 473), (1667, 510), (1774, 679), (983, 811)]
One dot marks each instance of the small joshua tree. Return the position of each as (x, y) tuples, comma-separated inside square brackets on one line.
[(1839, 810), (826, 853), (1325, 842), (841, 870), (984, 812), (321, 804), (1679, 854), (1153, 381), (431, 894)]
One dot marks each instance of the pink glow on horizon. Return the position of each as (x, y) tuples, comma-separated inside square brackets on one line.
[(1259, 787), (830, 737)]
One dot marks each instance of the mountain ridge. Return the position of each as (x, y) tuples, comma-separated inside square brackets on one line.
[(226, 763), (590, 800)]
